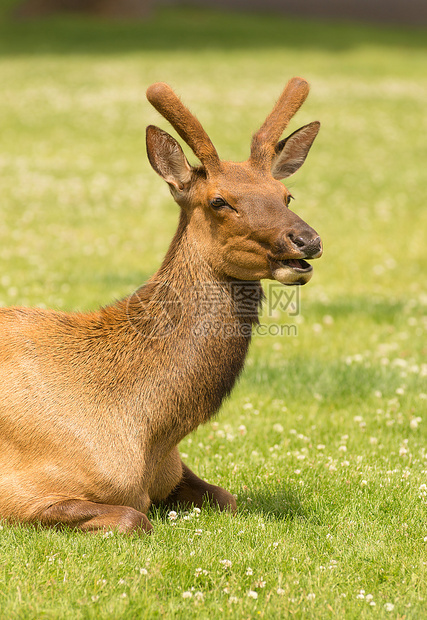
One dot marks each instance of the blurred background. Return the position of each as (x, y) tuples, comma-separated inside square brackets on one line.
[(84, 218), (383, 11)]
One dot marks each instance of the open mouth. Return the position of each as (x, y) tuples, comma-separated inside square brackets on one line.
[(297, 264), (291, 271)]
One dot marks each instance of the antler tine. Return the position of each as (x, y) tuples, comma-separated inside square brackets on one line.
[(163, 98), (265, 139)]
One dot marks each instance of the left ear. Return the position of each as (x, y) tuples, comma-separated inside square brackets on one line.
[(167, 159), (292, 151)]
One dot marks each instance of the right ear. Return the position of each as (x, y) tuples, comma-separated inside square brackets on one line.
[(167, 158), (292, 151)]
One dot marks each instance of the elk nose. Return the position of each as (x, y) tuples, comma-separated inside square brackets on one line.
[(310, 245)]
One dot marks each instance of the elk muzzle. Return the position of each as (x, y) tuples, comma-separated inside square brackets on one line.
[(300, 244)]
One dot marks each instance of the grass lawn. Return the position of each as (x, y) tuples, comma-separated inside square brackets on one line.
[(324, 440)]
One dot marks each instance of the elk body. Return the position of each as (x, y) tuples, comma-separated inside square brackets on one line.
[(93, 406)]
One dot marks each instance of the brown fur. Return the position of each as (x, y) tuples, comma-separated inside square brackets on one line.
[(93, 406)]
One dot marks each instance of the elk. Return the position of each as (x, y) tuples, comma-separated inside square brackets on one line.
[(93, 405)]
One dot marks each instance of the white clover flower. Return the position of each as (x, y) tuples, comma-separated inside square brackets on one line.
[(233, 599), (363, 483), (280, 591), (278, 428), (249, 571), (225, 563), (311, 596), (187, 594), (199, 596), (389, 606), (172, 516), (253, 594), (414, 423), (143, 571)]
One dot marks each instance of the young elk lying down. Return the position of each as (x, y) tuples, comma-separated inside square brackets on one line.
[(93, 406)]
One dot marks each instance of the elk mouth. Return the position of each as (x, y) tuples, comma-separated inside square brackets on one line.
[(291, 271)]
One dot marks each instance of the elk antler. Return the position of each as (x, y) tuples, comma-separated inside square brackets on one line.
[(163, 98), (265, 139)]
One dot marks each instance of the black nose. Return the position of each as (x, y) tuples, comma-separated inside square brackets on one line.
[(310, 245)]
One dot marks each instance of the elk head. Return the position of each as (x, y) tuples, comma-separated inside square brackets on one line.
[(238, 213)]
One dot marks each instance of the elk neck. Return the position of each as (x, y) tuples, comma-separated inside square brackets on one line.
[(188, 327)]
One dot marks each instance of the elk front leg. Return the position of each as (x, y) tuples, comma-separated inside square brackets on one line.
[(192, 490), (92, 517)]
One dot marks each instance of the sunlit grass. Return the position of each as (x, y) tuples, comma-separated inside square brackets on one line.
[(323, 440)]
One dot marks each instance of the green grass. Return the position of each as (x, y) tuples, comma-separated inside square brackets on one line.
[(324, 439)]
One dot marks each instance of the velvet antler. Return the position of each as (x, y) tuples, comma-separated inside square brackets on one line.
[(266, 138), (163, 98)]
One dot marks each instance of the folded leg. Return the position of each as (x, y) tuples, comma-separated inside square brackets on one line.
[(91, 517), (192, 490)]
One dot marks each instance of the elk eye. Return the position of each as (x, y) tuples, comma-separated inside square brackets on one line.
[(289, 197), (217, 203)]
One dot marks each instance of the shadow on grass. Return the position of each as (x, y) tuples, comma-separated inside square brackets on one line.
[(279, 504), (187, 29)]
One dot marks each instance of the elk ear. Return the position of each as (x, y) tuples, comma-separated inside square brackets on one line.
[(167, 158), (291, 152)]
